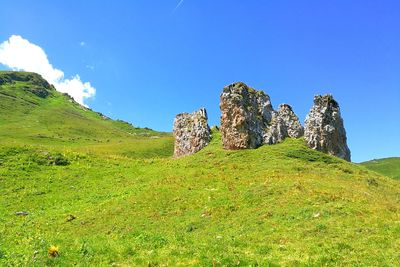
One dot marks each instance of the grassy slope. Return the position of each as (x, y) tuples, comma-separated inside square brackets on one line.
[(388, 166), (283, 204), (58, 122)]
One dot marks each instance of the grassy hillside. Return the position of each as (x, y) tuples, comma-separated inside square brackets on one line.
[(277, 205), (388, 166), (33, 113)]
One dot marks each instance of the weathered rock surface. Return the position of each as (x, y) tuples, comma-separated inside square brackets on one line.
[(191, 132), (324, 130), (34, 82), (248, 120), (246, 113), (284, 124)]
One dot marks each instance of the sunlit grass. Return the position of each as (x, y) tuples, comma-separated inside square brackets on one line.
[(389, 166), (103, 196)]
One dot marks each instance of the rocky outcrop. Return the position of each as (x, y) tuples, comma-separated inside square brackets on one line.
[(191, 132), (33, 82), (246, 113), (284, 124), (248, 120), (324, 130)]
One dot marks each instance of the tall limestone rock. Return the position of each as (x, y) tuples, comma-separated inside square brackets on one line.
[(324, 130), (245, 115), (191, 132), (284, 124), (249, 121)]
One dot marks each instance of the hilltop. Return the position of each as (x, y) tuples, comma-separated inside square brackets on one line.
[(388, 166), (107, 193)]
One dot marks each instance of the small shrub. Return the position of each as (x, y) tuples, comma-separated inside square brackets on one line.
[(46, 158), (372, 182), (191, 227), (59, 160), (311, 156), (215, 129)]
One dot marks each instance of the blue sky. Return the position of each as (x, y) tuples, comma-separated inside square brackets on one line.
[(149, 61)]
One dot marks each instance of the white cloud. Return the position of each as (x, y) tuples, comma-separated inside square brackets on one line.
[(82, 43), (18, 53)]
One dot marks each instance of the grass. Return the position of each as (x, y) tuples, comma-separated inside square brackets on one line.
[(56, 122), (388, 166), (127, 202)]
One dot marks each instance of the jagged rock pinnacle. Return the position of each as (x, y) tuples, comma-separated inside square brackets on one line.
[(191, 132), (245, 115), (284, 124), (324, 129)]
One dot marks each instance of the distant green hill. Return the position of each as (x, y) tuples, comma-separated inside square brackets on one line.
[(104, 193), (33, 112), (388, 166)]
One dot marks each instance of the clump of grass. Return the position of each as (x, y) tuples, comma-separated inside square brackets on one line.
[(47, 158), (311, 156), (372, 182)]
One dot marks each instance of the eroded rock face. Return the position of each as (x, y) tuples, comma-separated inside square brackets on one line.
[(324, 129), (34, 83), (246, 113), (191, 132), (285, 123)]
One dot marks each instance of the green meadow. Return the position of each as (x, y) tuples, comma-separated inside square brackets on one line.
[(106, 193), (388, 166)]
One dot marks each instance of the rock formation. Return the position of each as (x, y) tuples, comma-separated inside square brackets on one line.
[(191, 132), (284, 124), (245, 115), (34, 83), (324, 130), (248, 120)]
